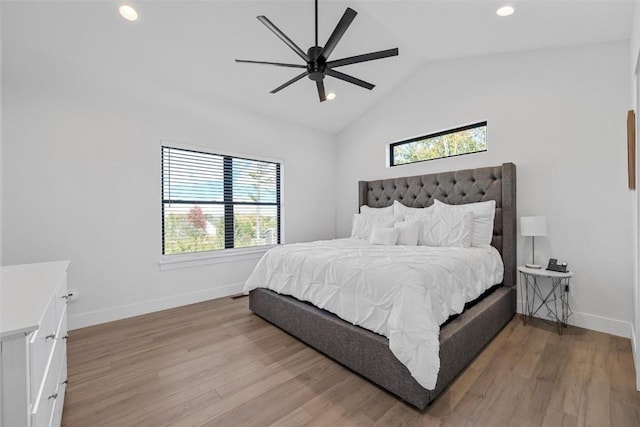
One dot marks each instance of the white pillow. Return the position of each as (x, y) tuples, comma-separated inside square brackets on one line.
[(409, 232), (399, 208), (453, 229), (384, 235), (363, 224), (483, 214), (419, 216), (368, 210)]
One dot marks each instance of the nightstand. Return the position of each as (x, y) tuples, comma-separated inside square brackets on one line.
[(556, 300)]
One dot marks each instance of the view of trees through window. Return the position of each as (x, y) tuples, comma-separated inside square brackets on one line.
[(213, 202), (196, 231), (454, 142)]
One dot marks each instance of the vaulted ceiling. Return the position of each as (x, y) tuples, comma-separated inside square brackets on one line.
[(190, 46)]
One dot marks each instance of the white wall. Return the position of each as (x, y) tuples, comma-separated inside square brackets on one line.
[(1, 169), (560, 115), (82, 181)]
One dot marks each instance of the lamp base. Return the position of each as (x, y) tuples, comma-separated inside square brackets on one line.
[(533, 266)]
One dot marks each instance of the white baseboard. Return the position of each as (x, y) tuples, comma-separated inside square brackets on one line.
[(596, 323), (601, 324), (634, 349), (91, 318)]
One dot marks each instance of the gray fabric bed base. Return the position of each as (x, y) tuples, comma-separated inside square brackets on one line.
[(461, 339), (368, 353)]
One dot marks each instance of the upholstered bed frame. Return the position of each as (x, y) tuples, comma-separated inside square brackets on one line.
[(462, 338)]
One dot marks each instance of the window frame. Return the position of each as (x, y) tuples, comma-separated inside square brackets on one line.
[(474, 125), (227, 254)]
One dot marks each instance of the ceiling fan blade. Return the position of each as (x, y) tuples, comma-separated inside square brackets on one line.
[(293, 80), (363, 58), (338, 32), (279, 64), (283, 37), (350, 79), (321, 92)]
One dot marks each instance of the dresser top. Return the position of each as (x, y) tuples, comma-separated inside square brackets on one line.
[(25, 291)]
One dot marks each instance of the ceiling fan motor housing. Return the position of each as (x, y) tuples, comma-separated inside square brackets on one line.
[(317, 65)]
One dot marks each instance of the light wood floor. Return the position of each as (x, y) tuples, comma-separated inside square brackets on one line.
[(215, 363)]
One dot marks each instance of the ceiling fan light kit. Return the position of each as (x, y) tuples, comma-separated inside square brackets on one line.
[(317, 66)]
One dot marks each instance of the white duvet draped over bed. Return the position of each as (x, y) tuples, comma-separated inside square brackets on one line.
[(402, 292)]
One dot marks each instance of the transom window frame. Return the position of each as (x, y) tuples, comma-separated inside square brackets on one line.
[(391, 146), (194, 259)]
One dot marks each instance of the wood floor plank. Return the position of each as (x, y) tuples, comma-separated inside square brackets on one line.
[(340, 403), (296, 418), (566, 396), (624, 414), (260, 410), (505, 401), (535, 346), (379, 403), (595, 400), (399, 415), (215, 363), (557, 418), (358, 419)]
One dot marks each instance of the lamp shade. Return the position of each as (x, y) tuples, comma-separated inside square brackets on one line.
[(533, 225)]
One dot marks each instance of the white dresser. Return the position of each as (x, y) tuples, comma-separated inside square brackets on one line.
[(33, 346)]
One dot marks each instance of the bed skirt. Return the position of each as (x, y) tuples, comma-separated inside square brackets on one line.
[(368, 353)]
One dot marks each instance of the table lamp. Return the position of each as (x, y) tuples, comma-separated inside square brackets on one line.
[(532, 226)]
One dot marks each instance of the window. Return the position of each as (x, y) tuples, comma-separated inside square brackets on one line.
[(454, 142), (214, 202)]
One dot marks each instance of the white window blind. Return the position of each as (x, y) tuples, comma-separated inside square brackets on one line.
[(216, 202)]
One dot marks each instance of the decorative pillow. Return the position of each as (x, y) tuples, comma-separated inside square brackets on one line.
[(399, 208), (384, 235), (363, 224), (409, 232), (368, 210), (452, 229), (483, 214)]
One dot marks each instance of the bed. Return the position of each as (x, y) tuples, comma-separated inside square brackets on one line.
[(463, 336)]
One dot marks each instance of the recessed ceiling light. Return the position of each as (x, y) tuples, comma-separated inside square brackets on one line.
[(331, 96), (505, 11), (128, 13)]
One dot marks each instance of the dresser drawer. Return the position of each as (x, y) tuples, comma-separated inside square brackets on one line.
[(62, 333), (61, 298), (43, 408), (56, 419), (60, 336), (41, 345)]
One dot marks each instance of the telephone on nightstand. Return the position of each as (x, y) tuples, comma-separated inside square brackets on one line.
[(554, 266)]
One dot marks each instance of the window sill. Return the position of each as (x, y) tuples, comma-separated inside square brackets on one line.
[(173, 262)]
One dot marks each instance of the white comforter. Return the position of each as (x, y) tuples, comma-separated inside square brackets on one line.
[(402, 292)]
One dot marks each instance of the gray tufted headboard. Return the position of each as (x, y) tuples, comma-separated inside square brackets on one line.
[(464, 186)]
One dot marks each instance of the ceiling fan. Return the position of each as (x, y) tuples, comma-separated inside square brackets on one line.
[(317, 66)]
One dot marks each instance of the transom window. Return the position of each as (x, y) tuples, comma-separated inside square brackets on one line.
[(453, 142), (214, 202)]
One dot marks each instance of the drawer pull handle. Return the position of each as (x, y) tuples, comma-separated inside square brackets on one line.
[(65, 382), (51, 335), (53, 396), (66, 337)]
